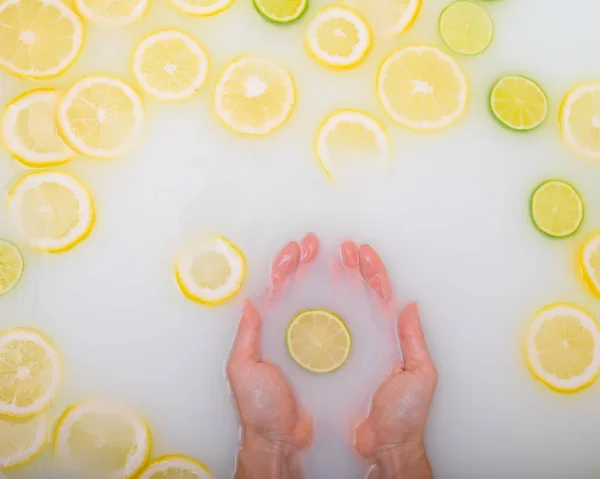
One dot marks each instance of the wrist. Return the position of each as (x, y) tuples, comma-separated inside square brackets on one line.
[(407, 460), (261, 457)]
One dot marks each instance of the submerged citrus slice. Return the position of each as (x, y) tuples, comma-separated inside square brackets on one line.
[(212, 271), (101, 116), (53, 210), (176, 467), (563, 347), (281, 12), (38, 38), (170, 65), (580, 119), (319, 341), (338, 37), (422, 88), (102, 440), (112, 12), (202, 7), (556, 209), (466, 27), (29, 372), (589, 261), (254, 96), (388, 17), (21, 440), (518, 103), (11, 266), (30, 131)]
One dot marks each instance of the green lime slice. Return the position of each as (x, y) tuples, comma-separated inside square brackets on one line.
[(518, 103), (281, 11), (556, 209), (466, 27), (11, 266)]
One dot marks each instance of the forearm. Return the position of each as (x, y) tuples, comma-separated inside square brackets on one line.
[(259, 459), (407, 461)]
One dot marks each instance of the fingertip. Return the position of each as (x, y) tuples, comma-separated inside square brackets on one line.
[(349, 252), (309, 248), (374, 272)]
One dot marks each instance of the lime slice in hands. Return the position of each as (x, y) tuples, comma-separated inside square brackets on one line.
[(11, 266), (556, 209), (466, 28), (518, 103), (281, 11)]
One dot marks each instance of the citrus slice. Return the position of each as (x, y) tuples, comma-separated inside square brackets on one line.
[(350, 139), (318, 341), (170, 65), (30, 132), (281, 12), (112, 12), (101, 117), (388, 17), (556, 209), (102, 439), (589, 262), (466, 27), (212, 271), (40, 38), (53, 210), (12, 265), (29, 372), (176, 467), (518, 103), (563, 347), (254, 96), (202, 7), (580, 119), (422, 88), (21, 440), (338, 37)]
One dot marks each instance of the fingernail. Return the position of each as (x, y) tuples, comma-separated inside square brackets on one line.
[(309, 248)]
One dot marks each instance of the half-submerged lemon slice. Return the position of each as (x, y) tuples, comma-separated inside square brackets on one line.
[(176, 467), (112, 12), (388, 17), (12, 265), (589, 262), (580, 119), (21, 440)]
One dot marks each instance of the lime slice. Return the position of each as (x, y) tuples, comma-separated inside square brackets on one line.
[(556, 209), (466, 28), (281, 11), (518, 103), (11, 266), (318, 341)]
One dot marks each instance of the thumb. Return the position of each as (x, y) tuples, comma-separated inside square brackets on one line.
[(412, 340), (247, 341)]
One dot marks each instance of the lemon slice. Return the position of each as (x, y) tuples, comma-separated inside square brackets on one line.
[(388, 17), (21, 440), (102, 440), (39, 38), (466, 28), (12, 266), (556, 209), (563, 347), (202, 7), (338, 37), (101, 117), (589, 261), (518, 103), (212, 271), (319, 341), (29, 372), (349, 139), (176, 467), (30, 132), (54, 211), (254, 96), (281, 12), (580, 119), (112, 12), (422, 88), (170, 65)]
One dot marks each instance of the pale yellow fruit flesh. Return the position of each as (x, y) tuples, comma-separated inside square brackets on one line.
[(351, 144), (112, 9), (17, 435), (11, 266), (211, 270), (584, 120), (36, 130), (175, 473), (338, 36)]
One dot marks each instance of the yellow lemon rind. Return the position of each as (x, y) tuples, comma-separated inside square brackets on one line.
[(148, 471), (140, 12), (220, 6), (570, 97)]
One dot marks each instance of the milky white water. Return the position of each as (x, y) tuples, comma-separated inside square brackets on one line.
[(450, 219)]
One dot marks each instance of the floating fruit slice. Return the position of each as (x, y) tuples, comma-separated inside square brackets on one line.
[(102, 439), (563, 347), (556, 209), (254, 96), (176, 467), (388, 17), (319, 341), (580, 119), (30, 132), (518, 103), (54, 211), (589, 261), (112, 12), (39, 38), (21, 440), (29, 372), (202, 7), (422, 88), (350, 139), (281, 12), (338, 37), (101, 116), (212, 271), (11, 266), (466, 27)]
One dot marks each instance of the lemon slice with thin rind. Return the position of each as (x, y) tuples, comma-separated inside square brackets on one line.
[(21, 440), (176, 467), (580, 119), (12, 266), (112, 12)]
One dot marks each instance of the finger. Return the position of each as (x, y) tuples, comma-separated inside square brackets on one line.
[(309, 248), (412, 340), (364, 440), (374, 272), (304, 430), (349, 252), (247, 341), (285, 264)]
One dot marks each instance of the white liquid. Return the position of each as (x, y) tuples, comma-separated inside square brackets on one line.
[(451, 221)]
